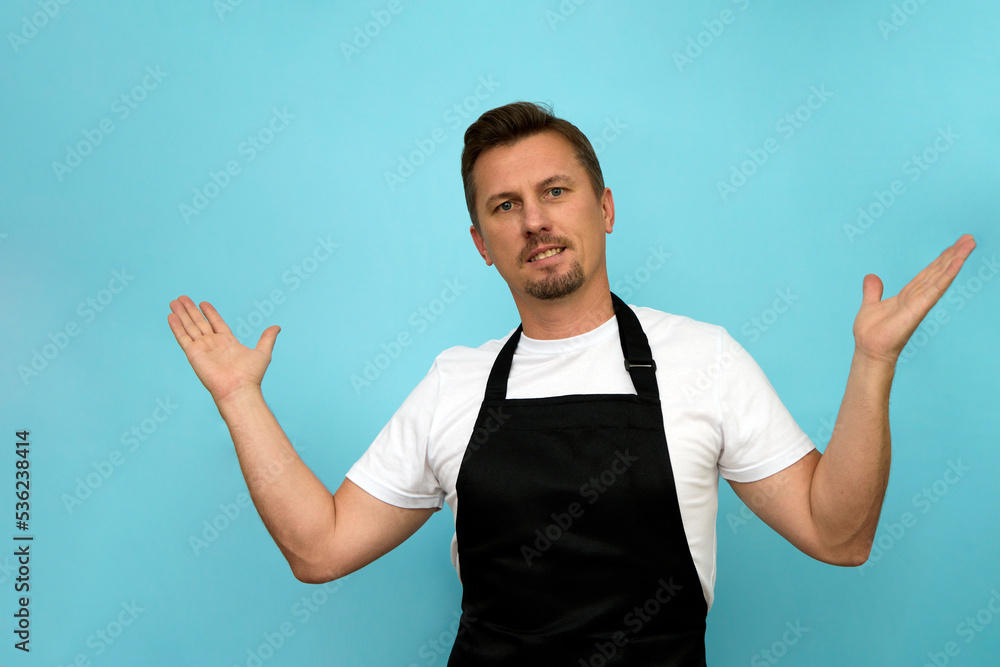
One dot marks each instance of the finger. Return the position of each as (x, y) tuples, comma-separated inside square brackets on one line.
[(266, 342), (940, 273), (947, 277), (945, 265), (197, 319), (960, 252), (183, 339), (214, 319), (871, 289), (931, 283), (181, 311)]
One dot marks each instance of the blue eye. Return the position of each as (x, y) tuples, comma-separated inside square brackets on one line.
[(556, 192), (506, 206)]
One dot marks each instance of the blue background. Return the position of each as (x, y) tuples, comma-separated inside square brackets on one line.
[(676, 96)]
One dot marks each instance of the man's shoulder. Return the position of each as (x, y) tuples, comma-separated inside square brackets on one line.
[(670, 325), (463, 355)]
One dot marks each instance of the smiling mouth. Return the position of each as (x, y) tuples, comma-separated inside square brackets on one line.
[(547, 253)]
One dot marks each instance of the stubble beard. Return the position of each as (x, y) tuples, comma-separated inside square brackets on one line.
[(557, 286)]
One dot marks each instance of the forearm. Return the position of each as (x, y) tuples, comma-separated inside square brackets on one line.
[(850, 479), (295, 506)]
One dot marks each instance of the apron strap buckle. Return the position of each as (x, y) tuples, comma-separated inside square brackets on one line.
[(629, 365)]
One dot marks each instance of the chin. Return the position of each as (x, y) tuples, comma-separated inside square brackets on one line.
[(557, 287)]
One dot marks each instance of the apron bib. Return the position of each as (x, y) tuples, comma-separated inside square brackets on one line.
[(570, 539)]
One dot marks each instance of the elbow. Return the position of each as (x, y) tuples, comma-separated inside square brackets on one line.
[(850, 555), (313, 574), (315, 561), (853, 560), (315, 568), (859, 556), (311, 577)]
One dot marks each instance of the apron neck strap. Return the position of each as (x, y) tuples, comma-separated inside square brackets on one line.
[(635, 350)]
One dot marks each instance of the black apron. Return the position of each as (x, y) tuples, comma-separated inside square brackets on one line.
[(570, 540)]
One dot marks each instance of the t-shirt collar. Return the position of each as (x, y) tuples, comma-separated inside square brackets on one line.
[(562, 345)]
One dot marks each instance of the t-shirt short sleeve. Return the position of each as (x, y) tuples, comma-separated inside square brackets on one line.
[(395, 468), (760, 437)]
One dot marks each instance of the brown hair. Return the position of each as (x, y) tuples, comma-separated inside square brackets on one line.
[(506, 125)]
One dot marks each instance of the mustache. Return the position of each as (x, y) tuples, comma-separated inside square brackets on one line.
[(539, 241)]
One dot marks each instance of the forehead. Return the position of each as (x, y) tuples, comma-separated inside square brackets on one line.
[(525, 163)]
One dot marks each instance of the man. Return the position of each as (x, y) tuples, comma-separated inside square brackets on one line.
[(582, 536)]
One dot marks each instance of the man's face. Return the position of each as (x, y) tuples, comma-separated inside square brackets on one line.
[(540, 222)]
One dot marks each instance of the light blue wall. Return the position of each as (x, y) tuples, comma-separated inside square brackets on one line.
[(682, 93)]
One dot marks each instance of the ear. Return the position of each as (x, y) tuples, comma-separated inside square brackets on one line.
[(480, 242), (608, 206)]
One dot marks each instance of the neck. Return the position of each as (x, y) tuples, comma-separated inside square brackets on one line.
[(572, 315)]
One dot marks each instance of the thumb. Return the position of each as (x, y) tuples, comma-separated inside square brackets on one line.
[(266, 342), (871, 289)]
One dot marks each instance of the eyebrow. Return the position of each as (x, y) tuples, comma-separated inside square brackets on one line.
[(541, 185)]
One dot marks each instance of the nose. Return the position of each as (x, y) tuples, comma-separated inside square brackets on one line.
[(534, 219)]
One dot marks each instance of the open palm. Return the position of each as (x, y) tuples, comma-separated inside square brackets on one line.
[(882, 328), (223, 364)]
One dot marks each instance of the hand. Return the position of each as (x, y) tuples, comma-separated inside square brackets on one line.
[(224, 365), (882, 328)]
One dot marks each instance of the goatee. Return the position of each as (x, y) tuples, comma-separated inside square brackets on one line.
[(557, 286)]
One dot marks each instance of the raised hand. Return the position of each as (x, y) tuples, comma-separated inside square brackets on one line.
[(882, 328), (224, 365)]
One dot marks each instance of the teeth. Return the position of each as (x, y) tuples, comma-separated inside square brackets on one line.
[(547, 253)]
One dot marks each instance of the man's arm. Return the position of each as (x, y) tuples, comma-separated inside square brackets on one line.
[(828, 505), (322, 535)]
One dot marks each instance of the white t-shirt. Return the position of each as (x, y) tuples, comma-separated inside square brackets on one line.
[(720, 416)]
